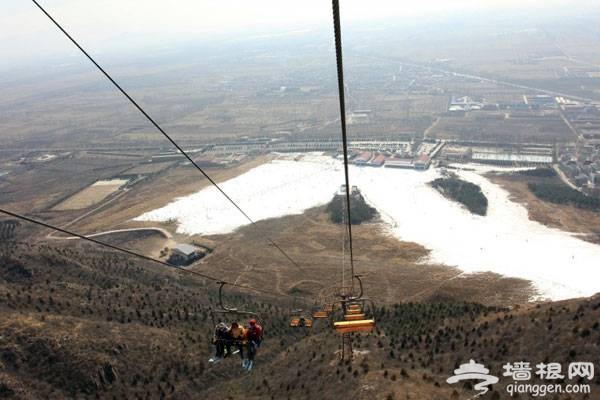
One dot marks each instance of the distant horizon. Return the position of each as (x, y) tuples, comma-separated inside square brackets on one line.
[(109, 27)]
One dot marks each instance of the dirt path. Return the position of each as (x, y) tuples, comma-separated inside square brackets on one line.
[(91, 212), (164, 232), (419, 295), (247, 267), (300, 282), (431, 127), (564, 178)]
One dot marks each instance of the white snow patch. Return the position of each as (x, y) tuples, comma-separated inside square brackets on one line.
[(280, 187), (505, 241)]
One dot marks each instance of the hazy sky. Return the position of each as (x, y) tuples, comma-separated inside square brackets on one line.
[(25, 33)]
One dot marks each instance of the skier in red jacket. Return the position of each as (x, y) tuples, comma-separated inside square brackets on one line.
[(254, 336)]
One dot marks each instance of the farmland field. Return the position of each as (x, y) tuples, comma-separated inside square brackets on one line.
[(495, 127), (91, 195)]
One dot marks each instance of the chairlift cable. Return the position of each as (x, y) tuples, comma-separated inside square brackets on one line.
[(344, 232), (165, 134), (141, 256), (340, 76)]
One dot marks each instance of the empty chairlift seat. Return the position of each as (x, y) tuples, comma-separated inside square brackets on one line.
[(354, 312), (320, 314), (361, 325), (329, 308), (355, 320)]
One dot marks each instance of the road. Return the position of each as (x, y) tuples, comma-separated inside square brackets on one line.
[(431, 127), (480, 78), (164, 232), (564, 178), (575, 59)]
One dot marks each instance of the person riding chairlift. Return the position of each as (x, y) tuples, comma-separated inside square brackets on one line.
[(237, 336), (254, 336), (220, 339)]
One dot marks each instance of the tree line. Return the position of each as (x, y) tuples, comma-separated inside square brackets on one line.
[(466, 193), (558, 193), (360, 211), (539, 172)]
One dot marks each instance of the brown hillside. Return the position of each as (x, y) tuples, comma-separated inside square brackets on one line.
[(83, 324)]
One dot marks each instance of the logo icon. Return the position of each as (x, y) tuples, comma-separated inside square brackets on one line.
[(472, 370)]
